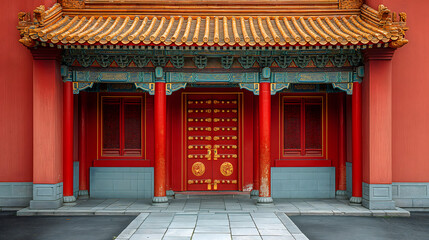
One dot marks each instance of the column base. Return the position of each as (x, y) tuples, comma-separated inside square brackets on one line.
[(356, 200), (341, 194), (265, 201), (83, 193), (169, 193), (254, 193), (160, 201), (69, 199)]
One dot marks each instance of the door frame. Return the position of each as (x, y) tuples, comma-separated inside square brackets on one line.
[(183, 170)]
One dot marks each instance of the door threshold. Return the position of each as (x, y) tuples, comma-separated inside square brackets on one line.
[(211, 194)]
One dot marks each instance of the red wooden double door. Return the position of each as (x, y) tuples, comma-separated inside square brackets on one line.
[(212, 127)]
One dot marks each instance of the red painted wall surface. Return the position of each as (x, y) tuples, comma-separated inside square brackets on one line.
[(16, 95), (410, 97)]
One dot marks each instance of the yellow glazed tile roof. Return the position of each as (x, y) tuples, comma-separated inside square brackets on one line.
[(369, 27)]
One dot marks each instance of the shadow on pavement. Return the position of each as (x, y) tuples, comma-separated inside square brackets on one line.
[(64, 228), (368, 228)]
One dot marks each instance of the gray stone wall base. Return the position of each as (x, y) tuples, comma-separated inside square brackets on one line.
[(377, 196), (303, 182), (121, 182), (47, 196), (44, 204), (411, 194), (15, 194), (379, 205), (15, 202)]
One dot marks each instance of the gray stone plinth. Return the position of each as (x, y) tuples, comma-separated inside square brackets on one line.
[(254, 193), (160, 201), (341, 194), (47, 196), (69, 199), (83, 192), (265, 200), (377, 196), (170, 193), (356, 200)]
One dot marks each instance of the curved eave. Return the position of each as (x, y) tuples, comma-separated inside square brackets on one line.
[(211, 31)]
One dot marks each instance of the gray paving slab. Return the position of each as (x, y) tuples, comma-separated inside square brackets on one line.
[(151, 231), (244, 231), (242, 224), (246, 238), (179, 232), (288, 237), (274, 232), (147, 237), (211, 229), (206, 236)]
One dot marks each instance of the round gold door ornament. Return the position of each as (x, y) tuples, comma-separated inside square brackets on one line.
[(226, 169), (198, 169)]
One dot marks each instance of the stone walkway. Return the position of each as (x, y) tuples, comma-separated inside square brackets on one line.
[(214, 204), (206, 226)]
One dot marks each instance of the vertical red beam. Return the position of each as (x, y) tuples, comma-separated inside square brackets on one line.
[(160, 143), (255, 191), (357, 143), (341, 192), (265, 142), (83, 173), (68, 142)]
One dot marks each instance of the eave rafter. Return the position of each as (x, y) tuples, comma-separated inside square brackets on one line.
[(58, 27)]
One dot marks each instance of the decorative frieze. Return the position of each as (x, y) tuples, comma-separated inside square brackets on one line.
[(246, 59)]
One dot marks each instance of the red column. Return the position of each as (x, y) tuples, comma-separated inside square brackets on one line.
[(265, 142), (68, 142), (83, 173), (341, 192), (255, 191), (160, 143), (357, 143)]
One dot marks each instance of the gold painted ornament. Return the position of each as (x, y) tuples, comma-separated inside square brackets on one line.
[(226, 169), (198, 169)]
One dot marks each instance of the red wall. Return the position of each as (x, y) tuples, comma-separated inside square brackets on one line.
[(16, 95), (410, 95)]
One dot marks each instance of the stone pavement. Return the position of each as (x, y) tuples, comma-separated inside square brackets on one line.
[(217, 226), (212, 217), (213, 204)]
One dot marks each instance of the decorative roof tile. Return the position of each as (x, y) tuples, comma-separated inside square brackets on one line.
[(370, 27)]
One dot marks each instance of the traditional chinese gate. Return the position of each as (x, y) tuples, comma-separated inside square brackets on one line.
[(212, 136)]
